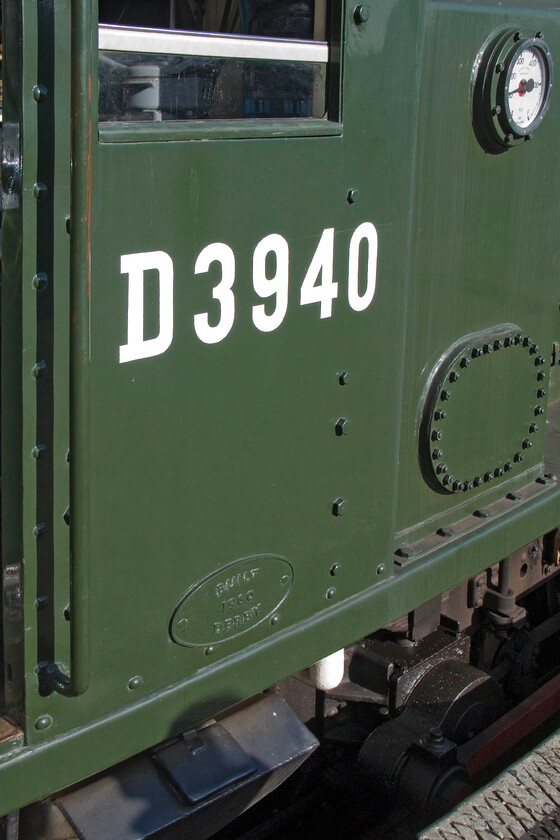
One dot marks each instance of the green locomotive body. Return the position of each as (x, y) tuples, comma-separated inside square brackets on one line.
[(279, 325)]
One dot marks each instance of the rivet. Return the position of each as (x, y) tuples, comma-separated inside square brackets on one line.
[(274, 620), (209, 650), (527, 444), (498, 472), (465, 362), (334, 569), (39, 93), (518, 457), (38, 450), (488, 476), (476, 352), (440, 414), (343, 378), (437, 454), (338, 507), (361, 14), (38, 369), (43, 722), (445, 394), (498, 344), (436, 434), (380, 569), (39, 529), (541, 392), (134, 683), (541, 376), (534, 427), (454, 376), (353, 196), (331, 593), (538, 410), (341, 426), (40, 190), (477, 481), (441, 469), (40, 281)]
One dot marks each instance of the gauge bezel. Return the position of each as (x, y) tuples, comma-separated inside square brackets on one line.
[(494, 127), (538, 45)]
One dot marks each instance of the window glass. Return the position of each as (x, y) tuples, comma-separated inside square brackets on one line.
[(211, 59)]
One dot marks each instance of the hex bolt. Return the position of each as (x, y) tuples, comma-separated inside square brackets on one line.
[(498, 344), (454, 376), (498, 472), (338, 507), (40, 281), (541, 392), (539, 361), (437, 454), (527, 444), (361, 14), (533, 349), (517, 338), (476, 352), (477, 481), (541, 376), (534, 427), (40, 190), (518, 36), (488, 476), (437, 434), (343, 378), (518, 457), (341, 426), (39, 93), (527, 341), (448, 479), (445, 394), (538, 34), (441, 469), (487, 348), (508, 466), (500, 67), (457, 485), (38, 369), (440, 414), (353, 196), (465, 362), (538, 410), (508, 341)]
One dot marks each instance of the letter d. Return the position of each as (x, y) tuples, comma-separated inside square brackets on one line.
[(135, 265)]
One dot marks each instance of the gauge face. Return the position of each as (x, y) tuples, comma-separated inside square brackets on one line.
[(526, 88)]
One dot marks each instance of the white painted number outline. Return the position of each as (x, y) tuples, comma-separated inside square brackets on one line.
[(271, 261)]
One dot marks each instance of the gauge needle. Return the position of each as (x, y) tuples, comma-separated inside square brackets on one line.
[(524, 87)]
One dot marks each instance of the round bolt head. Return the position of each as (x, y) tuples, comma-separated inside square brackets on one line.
[(334, 569), (331, 592), (341, 426), (39, 93), (343, 378), (361, 14), (134, 683), (43, 722), (380, 569)]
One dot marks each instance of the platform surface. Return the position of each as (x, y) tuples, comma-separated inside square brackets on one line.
[(522, 803)]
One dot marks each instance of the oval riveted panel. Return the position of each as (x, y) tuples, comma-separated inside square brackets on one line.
[(483, 415)]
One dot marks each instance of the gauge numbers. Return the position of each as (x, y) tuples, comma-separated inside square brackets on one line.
[(526, 88)]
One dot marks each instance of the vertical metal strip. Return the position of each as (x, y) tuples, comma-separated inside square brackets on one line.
[(80, 285)]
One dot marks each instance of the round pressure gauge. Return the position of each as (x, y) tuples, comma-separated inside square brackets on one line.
[(512, 83)]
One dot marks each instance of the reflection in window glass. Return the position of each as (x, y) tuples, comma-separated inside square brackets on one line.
[(189, 74), (155, 87)]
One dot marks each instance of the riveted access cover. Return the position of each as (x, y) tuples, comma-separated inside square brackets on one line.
[(483, 413)]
